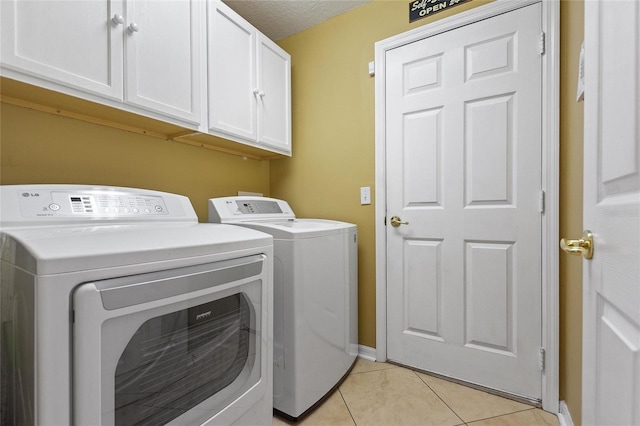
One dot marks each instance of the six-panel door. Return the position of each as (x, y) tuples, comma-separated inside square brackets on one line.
[(463, 152)]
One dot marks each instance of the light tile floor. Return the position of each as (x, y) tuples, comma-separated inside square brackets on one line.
[(388, 395)]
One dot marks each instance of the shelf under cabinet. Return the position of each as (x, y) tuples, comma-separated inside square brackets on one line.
[(36, 98)]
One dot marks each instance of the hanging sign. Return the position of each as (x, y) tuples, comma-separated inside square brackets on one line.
[(419, 9)]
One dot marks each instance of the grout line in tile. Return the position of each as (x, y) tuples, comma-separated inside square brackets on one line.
[(374, 371), (347, 405), (366, 372), (439, 397)]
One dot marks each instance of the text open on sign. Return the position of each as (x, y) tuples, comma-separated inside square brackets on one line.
[(419, 9)]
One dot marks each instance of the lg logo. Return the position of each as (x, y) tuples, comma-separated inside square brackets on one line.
[(29, 194)]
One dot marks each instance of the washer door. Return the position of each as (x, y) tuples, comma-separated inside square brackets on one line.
[(180, 346)]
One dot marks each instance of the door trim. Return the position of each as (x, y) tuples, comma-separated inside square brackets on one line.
[(550, 175)]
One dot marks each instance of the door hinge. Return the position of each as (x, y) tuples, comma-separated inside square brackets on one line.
[(542, 43), (541, 201), (541, 359)]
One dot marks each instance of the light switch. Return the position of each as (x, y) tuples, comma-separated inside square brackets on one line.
[(365, 195)]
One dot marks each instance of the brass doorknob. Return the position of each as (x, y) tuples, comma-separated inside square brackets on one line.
[(581, 247), (396, 221)]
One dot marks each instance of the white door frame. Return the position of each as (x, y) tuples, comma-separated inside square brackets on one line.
[(550, 175)]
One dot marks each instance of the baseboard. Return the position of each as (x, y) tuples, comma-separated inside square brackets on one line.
[(564, 417), (367, 353)]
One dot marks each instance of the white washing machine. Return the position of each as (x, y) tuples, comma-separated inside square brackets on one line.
[(315, 298), (118, 308)]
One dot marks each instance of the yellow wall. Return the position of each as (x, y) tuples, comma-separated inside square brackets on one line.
[(571, 141), (42, 148), (334, 149)]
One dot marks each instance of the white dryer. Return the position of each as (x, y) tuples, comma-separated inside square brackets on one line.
[(118, 308), (315, 298)]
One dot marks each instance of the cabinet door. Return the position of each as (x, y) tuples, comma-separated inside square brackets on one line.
[(274, 108), (162, 65), (74, 43), (231, 73)]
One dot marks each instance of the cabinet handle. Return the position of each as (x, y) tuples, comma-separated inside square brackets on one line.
[(133, 28), (117, 19)]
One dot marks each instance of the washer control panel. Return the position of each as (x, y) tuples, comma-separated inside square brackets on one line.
[(230, 209), (254, 207)]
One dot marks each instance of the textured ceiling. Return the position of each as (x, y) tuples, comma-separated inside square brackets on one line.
[(278, 19)]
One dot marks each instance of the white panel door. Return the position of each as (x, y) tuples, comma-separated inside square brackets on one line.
[(162, 44), (274, 97), (231, 72), (463, 147), (74, 43), (611, 309)]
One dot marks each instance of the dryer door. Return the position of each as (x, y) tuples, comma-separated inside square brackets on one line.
[(183, 346)]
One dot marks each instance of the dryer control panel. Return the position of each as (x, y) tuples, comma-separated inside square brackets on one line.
[(58, 203), (76, 203), (242, 209)]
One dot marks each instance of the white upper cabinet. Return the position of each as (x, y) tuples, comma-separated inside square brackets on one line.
[(144, 53), (150, 57), (231, 73), (163, 56), (74, 43), (274, 95), (249, 80)]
